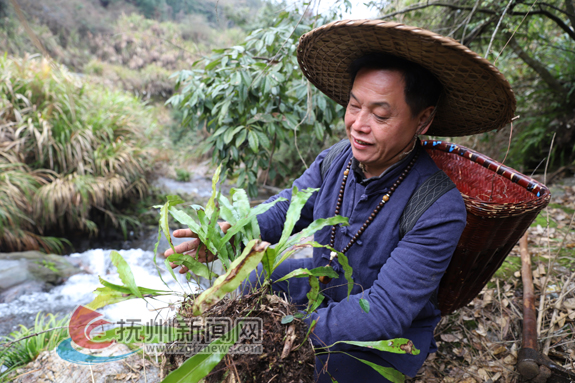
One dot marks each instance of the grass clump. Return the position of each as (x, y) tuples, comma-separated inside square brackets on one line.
[(182, 175), (69, 151), (25, 351)]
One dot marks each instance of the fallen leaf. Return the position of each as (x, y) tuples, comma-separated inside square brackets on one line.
[(510, 359), (448, 338), (569, 303), (481, 330), (499, 350)]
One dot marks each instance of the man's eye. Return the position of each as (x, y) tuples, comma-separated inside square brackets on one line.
[(380, 118)]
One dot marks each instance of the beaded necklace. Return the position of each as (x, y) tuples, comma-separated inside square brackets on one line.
[(384, 199)]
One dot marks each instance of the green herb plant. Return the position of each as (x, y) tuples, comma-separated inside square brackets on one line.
[(240, 251)]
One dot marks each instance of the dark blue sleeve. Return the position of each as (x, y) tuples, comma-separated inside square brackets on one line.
[(272, 221), (404, 284)]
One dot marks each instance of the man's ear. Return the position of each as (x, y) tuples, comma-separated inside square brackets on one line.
[(425, 119)]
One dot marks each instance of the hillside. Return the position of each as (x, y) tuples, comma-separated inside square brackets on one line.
[(133, 44)]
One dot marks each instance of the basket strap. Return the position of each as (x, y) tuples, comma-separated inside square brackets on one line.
[(426, 194), (335, 151)]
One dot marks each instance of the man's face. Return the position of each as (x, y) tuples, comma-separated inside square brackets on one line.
[(378, 121)]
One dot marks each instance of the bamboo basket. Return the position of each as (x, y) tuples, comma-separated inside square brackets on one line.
[(501, 204)]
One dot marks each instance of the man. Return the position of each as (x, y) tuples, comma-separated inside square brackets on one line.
[(369, 67)]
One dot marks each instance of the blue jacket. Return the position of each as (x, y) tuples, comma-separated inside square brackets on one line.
[(397, 277)]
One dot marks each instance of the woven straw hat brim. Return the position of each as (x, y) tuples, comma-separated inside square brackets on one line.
[(477, 98)]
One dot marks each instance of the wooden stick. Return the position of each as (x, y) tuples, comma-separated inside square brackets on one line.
[(545, 281), (529, 316)]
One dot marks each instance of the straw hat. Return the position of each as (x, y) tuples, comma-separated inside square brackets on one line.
[(477, 98)]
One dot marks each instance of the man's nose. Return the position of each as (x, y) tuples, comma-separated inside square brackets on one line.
[(362, 123)]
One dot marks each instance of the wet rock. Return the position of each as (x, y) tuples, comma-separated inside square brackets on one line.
[(25, 288), (33, 265), (49, 368), (12, 272)]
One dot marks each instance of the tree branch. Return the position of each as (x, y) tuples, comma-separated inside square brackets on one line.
[(539, 68), (477, 31), (435, 4), (469, 19), (567, 12), (571, 12), (541, 11), (557, 21), (497, 28), (9, 344)]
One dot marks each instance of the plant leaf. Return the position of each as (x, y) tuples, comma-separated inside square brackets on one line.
[(298, 200), (240, 268), (343, 261), (316, 225), (200, 365), (125, 273), (247, 219), (106, 296), (313, 295), (126, 290), (317, 272), (185, 219), (287, 319), (347, 271), (364, 304), (268, 260), (396, 346), (155, 262), (389, 373), (164, 224), (191, 263), (211, 205)]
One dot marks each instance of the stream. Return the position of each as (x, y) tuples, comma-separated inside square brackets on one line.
[(78, 289), (95, 262)]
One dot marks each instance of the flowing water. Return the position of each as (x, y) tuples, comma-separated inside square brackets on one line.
[(78, 290)]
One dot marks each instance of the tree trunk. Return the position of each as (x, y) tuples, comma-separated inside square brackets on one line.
[(549, 79)]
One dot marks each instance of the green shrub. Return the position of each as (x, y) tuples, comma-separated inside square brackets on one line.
[(182, 175), (252, 99)]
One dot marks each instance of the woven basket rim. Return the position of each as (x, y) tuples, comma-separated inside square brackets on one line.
[(541, 193), (477, 98)]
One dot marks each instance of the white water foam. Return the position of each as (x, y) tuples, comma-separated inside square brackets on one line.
[(78, 290)]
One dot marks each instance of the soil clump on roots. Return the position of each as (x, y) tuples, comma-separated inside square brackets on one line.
[(289, 340)]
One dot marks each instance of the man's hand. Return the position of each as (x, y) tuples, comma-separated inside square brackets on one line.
[(191, 247)]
